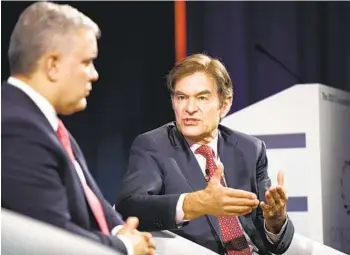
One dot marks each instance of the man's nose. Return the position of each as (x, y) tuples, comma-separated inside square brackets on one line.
[(191, 106), (94, 74)]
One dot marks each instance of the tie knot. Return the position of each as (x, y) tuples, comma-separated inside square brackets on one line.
[(205, 151)]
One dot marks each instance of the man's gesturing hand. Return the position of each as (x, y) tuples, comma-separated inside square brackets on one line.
[(218, 200)]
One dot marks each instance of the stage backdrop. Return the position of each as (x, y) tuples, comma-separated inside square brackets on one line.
[(137, 51)]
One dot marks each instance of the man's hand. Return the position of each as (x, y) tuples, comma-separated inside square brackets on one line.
[(142, 242), (218, 200), (275, 211)]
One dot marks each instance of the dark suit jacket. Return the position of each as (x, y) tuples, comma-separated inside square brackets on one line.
[(162, 166), (38, 178)]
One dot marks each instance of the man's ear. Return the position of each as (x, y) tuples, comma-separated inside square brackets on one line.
[(225, 106), (51, 64), (172, 101)]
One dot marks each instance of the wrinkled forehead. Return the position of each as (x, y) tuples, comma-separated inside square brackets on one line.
[(195, 83)]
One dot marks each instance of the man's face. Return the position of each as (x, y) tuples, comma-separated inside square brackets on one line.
[(197, 107), (76, 73)]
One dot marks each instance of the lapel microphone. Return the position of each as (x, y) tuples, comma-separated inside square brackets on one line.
[(206, 175)]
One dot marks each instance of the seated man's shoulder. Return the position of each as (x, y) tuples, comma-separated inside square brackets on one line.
[(17, 118), (242, 139), (159, 132), (158, 137)]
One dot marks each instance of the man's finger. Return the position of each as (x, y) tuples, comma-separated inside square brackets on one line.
[(147, 235), (218, 172), (282, 193), (152, 244), (237, 210), (131, 223), (267, 212), (269, 197), (280, 178), (241, 201), (264, 206), (238, 193), (150, 251), (149, 240), (276, 196)]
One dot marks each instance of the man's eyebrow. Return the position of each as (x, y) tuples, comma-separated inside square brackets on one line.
[(204, 92)]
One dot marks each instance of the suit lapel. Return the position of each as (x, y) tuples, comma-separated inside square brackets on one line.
[(73, 185), (235, 168), (112, 219), (189, 166), (81, 160), (237, 176)]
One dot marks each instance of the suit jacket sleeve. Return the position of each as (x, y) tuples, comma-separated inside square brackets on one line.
[(32, 183), (113, 217), (142, 192), (263, 184)]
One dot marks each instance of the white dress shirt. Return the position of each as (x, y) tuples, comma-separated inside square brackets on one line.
[(273, 238), (49, 112)]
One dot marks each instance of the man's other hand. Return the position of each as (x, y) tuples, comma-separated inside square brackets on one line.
[(142, 242)]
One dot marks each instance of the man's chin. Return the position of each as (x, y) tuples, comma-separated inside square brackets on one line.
[(191, 132), (81, 106)]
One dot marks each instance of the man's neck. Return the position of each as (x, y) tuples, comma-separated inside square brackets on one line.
[(36, 84), (24, 78), (202, 140)]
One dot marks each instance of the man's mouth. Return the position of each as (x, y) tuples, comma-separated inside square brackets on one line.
[(191, 121)]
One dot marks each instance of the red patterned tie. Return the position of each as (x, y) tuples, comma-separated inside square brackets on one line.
[(232, 233), (92, 199)]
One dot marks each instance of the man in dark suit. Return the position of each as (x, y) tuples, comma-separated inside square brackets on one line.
[(44, 173), (202, 180)]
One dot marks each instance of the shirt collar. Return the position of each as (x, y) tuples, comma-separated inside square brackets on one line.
[(213, 145)]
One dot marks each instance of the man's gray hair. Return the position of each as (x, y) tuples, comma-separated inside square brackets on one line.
[(36, 30)]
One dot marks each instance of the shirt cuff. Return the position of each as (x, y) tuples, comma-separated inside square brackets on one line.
[(116, 229), (124, 239), (179, 218), (275, 238)]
